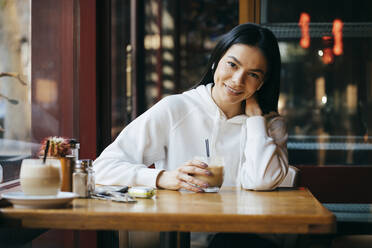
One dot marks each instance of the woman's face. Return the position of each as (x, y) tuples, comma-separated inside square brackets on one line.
[(239, 74)]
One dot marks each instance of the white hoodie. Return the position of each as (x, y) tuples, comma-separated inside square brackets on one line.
[(173, 132)]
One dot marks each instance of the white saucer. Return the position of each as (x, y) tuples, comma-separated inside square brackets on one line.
[(20, 200)]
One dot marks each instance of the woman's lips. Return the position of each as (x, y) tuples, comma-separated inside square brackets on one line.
[(232, 90)]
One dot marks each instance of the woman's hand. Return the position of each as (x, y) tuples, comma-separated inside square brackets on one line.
[(277, 128), (252, 107), (182, 177)]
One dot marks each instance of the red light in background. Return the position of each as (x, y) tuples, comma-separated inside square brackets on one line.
[(327, 56), (305, 33), (337, 33), (327, 41)]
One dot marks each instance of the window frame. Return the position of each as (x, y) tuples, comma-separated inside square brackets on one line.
[(75, 20), (74, 47)]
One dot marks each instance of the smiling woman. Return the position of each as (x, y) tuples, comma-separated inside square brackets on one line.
[(227, 107), (238, 76), (249, 57)]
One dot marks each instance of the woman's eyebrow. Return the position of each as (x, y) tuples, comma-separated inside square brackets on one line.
[(258, 70), (239, 63), (235, 59)]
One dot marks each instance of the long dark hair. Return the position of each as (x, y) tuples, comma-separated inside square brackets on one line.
[(257, 36)]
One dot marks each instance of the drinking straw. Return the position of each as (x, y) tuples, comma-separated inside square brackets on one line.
[(46, 151), (207, 147)]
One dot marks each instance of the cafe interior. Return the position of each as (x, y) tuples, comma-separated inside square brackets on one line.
[(84, 69)]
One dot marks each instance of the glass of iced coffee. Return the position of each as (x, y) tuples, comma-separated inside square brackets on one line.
[(216, 167), (39, 178)]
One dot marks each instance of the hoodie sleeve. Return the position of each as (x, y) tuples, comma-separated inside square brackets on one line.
[(266, 158), (140, 144)]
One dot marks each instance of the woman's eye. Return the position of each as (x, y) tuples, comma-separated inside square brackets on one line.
[(254, 75), (231, 64)]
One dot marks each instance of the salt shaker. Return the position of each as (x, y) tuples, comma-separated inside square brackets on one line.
[(80, 179)]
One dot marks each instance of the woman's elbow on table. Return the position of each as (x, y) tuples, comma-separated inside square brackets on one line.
[(259, 186), (264, 182)]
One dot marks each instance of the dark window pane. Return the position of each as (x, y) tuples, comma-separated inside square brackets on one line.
[(178, 39), (189, 31), (326, 83)]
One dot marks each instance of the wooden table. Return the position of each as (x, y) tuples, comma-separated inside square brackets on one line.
[(231, 210)]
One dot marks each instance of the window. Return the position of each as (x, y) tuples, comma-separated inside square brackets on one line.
[(174, 38), (326, 80), (15, 86), (189, 30), (335, 179), (54, 94)]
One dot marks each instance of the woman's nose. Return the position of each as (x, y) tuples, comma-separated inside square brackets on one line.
[(238, 77)]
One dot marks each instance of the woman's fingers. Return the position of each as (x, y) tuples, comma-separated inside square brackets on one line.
[(270, 115), (196, 163), (190, 187), (183, 177), (192, 180), (193, 170), (195, 167)]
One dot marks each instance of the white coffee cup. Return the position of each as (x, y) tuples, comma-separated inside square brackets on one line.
[(38, 178)]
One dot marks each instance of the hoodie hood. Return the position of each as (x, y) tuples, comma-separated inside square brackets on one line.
[(203, 96)]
